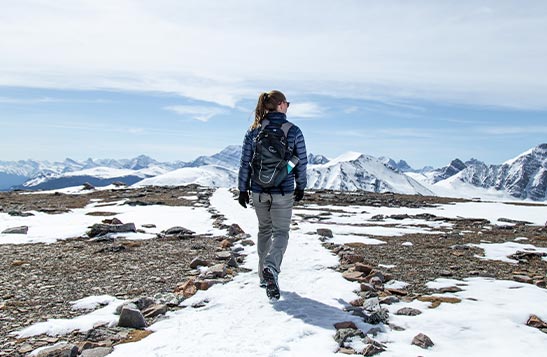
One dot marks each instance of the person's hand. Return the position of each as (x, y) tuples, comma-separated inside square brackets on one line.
[(298, 195), (243, 198)]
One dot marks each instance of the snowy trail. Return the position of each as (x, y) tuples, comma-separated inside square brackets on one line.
[(240, 320)]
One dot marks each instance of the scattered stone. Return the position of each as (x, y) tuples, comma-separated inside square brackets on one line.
[(16, 230), (235, 230), (232, 262), (388, 300), (20, 214), (178, 231), (399, 292), (186, 289), (536, 322), (198, 261), (119, 184), (363, 268), (396, 327), (225, 244), (343, 334), (131, 318), (125, 304), (376, 282), (144, 302), (155, 310), (97, 352), (224, 255), (422, 341), (380, 316), (450, 289), (514, 221), (88, 186), (101, 214), (344, 325), (148, 225), (373, 347), (347, 351), (324, 232), (372, 304), (18, 262), (216, 271), (354, 276), (523, 279), (408, 311), (61, 349), (247, 242), (445, 273), (98, 229), (351, 258), (437, 300)]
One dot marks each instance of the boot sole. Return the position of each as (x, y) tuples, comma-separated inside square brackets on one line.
[(272, 290)]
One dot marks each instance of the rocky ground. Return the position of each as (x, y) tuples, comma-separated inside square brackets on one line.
[(39, 281)]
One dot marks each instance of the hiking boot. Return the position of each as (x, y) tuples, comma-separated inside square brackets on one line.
[(272, 288), (263, 283)]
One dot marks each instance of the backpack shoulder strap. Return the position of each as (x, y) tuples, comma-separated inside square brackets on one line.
[(286, 127), (264, 123)]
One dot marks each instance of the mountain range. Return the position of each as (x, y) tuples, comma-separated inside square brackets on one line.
[(523, 177)]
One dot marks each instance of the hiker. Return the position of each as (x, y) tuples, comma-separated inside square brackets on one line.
[(273, 158)]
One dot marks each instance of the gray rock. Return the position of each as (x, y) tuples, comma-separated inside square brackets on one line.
[(16, 230), (97, 352), (144, 302), (103, 229), (20, 214), (224, 255), (125, 304), (324, 232), (232, 262), (388, 300), (59, 350), (88, 186), (380, 316), (216, 271), (373, 347), (178, 231), (235, 230), (372, 304), (131, 318), (408, 311), (155, 310), (148, 226), (197, 262), (170, 299), (422, 341), (343, 334)]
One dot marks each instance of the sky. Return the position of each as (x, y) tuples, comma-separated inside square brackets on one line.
[(423, 81)]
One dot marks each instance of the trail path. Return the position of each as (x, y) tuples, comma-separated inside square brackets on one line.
[(240, 320)]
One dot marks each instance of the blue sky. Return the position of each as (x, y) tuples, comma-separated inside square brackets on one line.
[(423, 81)]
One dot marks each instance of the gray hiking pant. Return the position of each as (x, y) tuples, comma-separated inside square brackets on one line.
[(274, 219)]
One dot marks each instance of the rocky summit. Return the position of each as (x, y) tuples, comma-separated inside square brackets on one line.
[(155, 276)]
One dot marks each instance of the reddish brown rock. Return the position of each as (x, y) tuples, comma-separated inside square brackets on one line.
[(364, 268), (536, 322), (225, 244), (422, 341), (186, 289), (345, 324), (354, 276)]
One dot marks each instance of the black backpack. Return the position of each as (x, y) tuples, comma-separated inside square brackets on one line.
[(269, 162)]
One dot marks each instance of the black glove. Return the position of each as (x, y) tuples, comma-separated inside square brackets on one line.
[(298, 195), (243, 198)]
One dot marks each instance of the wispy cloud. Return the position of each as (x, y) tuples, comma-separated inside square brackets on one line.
[(43, 100), (197, 112), (512, 130), (449, 51), (305, 110)]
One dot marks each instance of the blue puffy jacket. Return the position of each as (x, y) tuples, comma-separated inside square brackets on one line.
[(295, 139)]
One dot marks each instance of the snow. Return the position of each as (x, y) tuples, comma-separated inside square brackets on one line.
[(209, 175), (83, 323), (48, 228), (489, 321), (238, 319), (501, 251)]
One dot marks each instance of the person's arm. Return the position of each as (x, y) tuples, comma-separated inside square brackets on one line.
[(244, 177), (300, 169)]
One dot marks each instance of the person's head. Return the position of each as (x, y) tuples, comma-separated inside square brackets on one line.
[(272, 101)]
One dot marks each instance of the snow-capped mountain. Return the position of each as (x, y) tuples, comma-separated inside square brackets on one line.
[(207, 175), (524, 177), (229, 157), (356, 171)]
